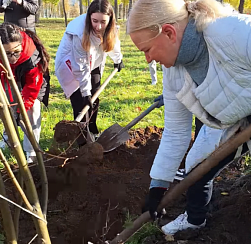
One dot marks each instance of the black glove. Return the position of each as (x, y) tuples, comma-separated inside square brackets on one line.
[(119, 66), (160, 99), (155, 196), (87, 101)]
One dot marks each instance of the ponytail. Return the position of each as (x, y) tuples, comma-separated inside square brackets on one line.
[(206, 11)]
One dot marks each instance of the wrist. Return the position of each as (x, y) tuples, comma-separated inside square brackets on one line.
[(159, 184)]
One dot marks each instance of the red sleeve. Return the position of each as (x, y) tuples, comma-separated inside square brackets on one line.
[(33, 83)]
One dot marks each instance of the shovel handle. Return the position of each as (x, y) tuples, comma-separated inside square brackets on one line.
[(140, 117), (95, 96)]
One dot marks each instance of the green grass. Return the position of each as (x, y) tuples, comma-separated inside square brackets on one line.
[(126, 96), (148, 229)]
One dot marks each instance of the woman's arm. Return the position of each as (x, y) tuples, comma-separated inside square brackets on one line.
[(30, 6), (32, 86), (177, 132), (116, 54)]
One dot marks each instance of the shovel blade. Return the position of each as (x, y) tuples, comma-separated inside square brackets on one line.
[(111, 138)]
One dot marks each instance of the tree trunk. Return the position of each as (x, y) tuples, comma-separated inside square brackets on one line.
[(88, 3), (80, 7), (65, 15), (38, 12), (124, 10), (241, 6), (116, 9), (130, 6)]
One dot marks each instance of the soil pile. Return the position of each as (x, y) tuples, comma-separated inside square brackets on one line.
[(67, 131), (90, 197)]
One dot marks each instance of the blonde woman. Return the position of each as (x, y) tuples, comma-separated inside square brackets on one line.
[(81, 56), (206, 49)]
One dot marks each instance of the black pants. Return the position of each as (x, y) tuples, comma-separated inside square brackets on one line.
[(199, 194), (78, 103)]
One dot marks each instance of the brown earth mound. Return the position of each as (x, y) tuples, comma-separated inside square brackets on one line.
[(66, 130), (90, 197)]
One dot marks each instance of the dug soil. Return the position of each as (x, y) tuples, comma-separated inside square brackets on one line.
[(90, 196)]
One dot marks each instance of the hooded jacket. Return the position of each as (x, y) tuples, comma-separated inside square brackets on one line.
[(28, 74), (73, 65)]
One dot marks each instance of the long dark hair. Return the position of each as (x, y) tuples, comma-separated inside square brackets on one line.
[(11, 33), (109, 38)]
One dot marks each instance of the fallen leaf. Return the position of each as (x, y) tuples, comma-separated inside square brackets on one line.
[(169, 238), (219, 178), (138, 109), (224, 193)]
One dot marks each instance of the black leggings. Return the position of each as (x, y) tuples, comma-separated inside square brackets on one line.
[(78, 103)]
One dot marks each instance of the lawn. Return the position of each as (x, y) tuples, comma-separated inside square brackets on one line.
[(126, 96)]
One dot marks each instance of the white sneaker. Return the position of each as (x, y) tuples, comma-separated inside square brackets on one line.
[(180, 174), (180, 223), (30, 157)]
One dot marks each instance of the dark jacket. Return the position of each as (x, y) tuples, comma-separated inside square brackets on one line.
[(22, 15)]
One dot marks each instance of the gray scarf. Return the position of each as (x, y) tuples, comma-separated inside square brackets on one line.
[(193, 53)]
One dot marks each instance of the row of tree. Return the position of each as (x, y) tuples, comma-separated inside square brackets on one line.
[(72, 8)]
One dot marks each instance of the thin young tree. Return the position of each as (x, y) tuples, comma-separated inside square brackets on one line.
[(80, 7), (241, 6), (65, 14)]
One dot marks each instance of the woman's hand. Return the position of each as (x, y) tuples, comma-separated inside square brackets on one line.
[(119, 66), (160, 99), (153, 200)]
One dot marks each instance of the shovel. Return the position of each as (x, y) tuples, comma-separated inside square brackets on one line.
[(95, 96), (69, 130), (116, 135), (197, 173)]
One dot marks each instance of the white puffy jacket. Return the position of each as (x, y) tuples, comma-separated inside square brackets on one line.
[(73, 65), (220, 101)]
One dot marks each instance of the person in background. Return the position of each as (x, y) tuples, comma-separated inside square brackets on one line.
[(29, 62), (206, 50), (153, 71), (20, 12), (81, 57)]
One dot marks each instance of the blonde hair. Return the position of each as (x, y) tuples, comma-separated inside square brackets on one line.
[(149, 13)]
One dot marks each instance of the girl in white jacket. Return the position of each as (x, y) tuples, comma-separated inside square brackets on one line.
[(81, 56), (206, 49)]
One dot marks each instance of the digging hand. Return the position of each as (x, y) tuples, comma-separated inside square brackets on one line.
[(155, 196), (87, 101), (119, 66), (160, 99)]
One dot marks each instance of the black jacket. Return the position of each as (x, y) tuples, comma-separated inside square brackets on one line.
[(22, 15)]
